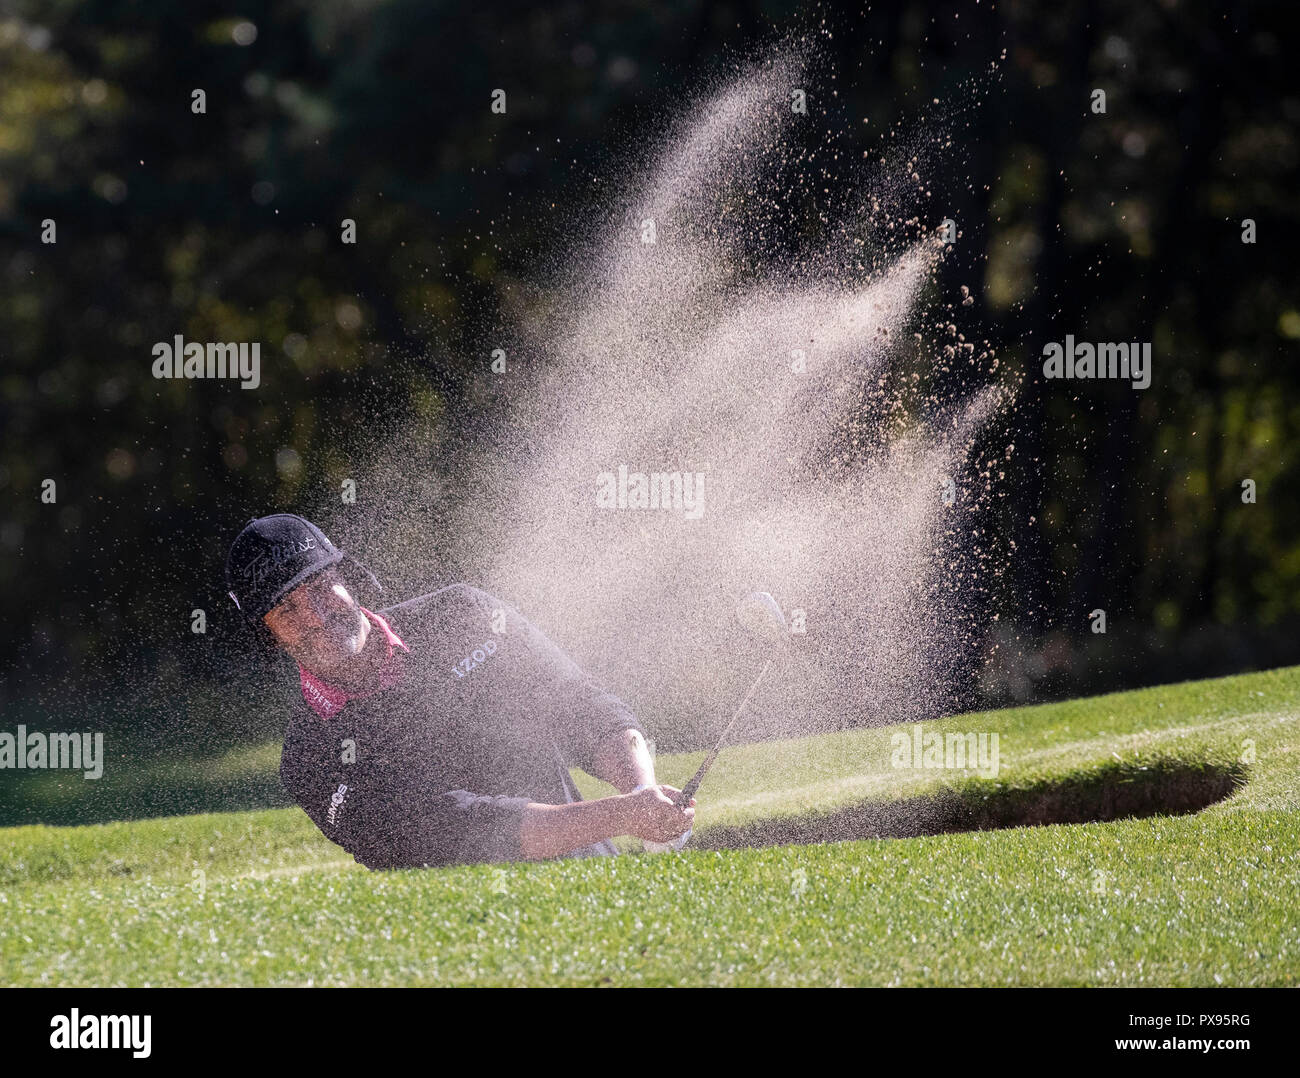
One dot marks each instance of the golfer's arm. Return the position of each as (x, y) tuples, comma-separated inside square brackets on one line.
[(623, 760), (554, 830)]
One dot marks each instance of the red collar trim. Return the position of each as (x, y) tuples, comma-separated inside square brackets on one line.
[(328, 700), (393, 639)]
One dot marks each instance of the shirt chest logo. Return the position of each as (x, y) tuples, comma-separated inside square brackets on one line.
[(475, 658)]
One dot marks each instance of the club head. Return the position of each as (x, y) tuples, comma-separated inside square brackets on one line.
[(761, 617)]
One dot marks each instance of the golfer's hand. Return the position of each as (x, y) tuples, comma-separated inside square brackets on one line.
[(652, 814)]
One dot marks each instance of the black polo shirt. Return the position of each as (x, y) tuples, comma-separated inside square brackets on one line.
[(487, 716)]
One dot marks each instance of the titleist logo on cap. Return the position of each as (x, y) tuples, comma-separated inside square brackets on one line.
[(276, 555)]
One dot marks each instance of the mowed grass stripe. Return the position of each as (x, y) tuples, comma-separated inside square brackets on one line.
[(1158, 901)]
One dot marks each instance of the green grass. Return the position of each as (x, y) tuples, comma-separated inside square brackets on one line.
[(260, 898)]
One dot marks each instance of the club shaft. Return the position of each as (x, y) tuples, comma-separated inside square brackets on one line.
[(688, 791)]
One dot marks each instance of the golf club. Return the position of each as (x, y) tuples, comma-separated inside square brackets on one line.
[(763, 620)]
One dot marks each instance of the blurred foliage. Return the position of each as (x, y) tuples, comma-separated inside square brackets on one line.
[(226, 226)]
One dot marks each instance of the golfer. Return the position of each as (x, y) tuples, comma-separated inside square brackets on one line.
[(440, 730)]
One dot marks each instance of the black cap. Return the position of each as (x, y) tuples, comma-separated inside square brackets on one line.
[(271, 557)]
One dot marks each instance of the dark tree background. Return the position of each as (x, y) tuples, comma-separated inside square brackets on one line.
[(225, 226)]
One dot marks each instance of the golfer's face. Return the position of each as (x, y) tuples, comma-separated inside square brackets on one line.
[(319, 623)]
